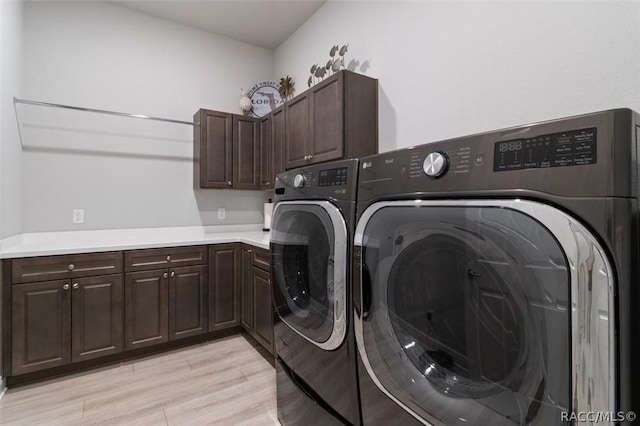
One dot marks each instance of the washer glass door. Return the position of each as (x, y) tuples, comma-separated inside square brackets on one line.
[(466, 312), (308, 249)]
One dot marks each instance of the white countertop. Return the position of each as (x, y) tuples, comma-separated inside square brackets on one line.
[(52, 243)]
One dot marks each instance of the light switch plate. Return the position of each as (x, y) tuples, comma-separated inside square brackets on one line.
[(222, 213)]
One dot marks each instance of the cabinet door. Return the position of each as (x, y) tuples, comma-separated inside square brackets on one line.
[(297, 131), (146, 306), (278, 117), (247, 290), (212, 136), (224, 293), (262, 308), (96, 321), (187, 301), (327, 120), (266, 152), (41, 327), (246, 153)]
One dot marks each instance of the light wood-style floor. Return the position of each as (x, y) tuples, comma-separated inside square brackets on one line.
[(225, 382)]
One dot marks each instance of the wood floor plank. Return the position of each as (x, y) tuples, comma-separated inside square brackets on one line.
[(220, 382), (20, 400), (233, 404), (37, 416)]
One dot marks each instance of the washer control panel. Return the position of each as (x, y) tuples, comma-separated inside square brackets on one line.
[(336, 180)]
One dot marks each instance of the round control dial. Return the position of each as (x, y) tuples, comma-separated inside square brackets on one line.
[(299, 181), (435, 165)]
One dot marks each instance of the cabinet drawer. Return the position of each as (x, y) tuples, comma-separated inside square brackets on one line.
[(47, 268), (261, 258), (149, 259)]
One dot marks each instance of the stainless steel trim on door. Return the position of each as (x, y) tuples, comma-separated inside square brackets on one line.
[(339, 270), (593, 357)]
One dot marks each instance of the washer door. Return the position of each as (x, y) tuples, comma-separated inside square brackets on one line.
[(309, 249), (485, 312)]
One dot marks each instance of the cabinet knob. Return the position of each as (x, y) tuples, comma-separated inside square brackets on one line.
[(71, 266), (310, 157), (168, 258), (65, 287), (173, 274), (229, 183), (268, 183), (165, 275), (76, 286), (248, 251)]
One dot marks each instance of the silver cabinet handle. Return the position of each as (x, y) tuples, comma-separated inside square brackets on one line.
[(76, 286), (65, 287), (168, 258), (71, 266), (173, 274), (165, 275), (229, 183)]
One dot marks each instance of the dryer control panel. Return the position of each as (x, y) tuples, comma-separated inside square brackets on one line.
[(593, 155), (571, 148)]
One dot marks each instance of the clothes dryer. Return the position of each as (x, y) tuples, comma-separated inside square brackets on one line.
[(496, 276)]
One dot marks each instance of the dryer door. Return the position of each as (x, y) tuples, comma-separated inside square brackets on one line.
[(309, 249), (485, 312)]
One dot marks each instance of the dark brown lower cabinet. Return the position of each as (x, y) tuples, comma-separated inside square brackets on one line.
[(165, 305), (257, 305), (247, 290), (262, 308), (58, 322), (146, 305), (224, 291), (72, 319), (187, 309), (41, 326), (96, 317)]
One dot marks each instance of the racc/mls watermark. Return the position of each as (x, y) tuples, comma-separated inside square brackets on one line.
[(597, 416)]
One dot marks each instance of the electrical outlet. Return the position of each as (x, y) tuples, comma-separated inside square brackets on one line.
[(78, 216), (222, 213)]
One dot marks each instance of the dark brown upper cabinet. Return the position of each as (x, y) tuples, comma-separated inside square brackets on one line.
[(212, 149), (226, 150), (246, 153), (337, 118), (278, 126), (267, 177)]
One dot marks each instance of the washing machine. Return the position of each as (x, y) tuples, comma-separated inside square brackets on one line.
[(311, 246), (496, 277)]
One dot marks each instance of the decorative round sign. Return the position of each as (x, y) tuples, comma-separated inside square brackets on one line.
[(265, 97)]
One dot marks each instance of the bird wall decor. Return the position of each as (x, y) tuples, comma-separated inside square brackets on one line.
[(333, 65)]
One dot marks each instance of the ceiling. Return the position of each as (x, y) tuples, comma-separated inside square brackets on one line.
[(262, 23)]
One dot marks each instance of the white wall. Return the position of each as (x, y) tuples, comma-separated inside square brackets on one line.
[(124, 172), (10, 85), (449, 69)]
